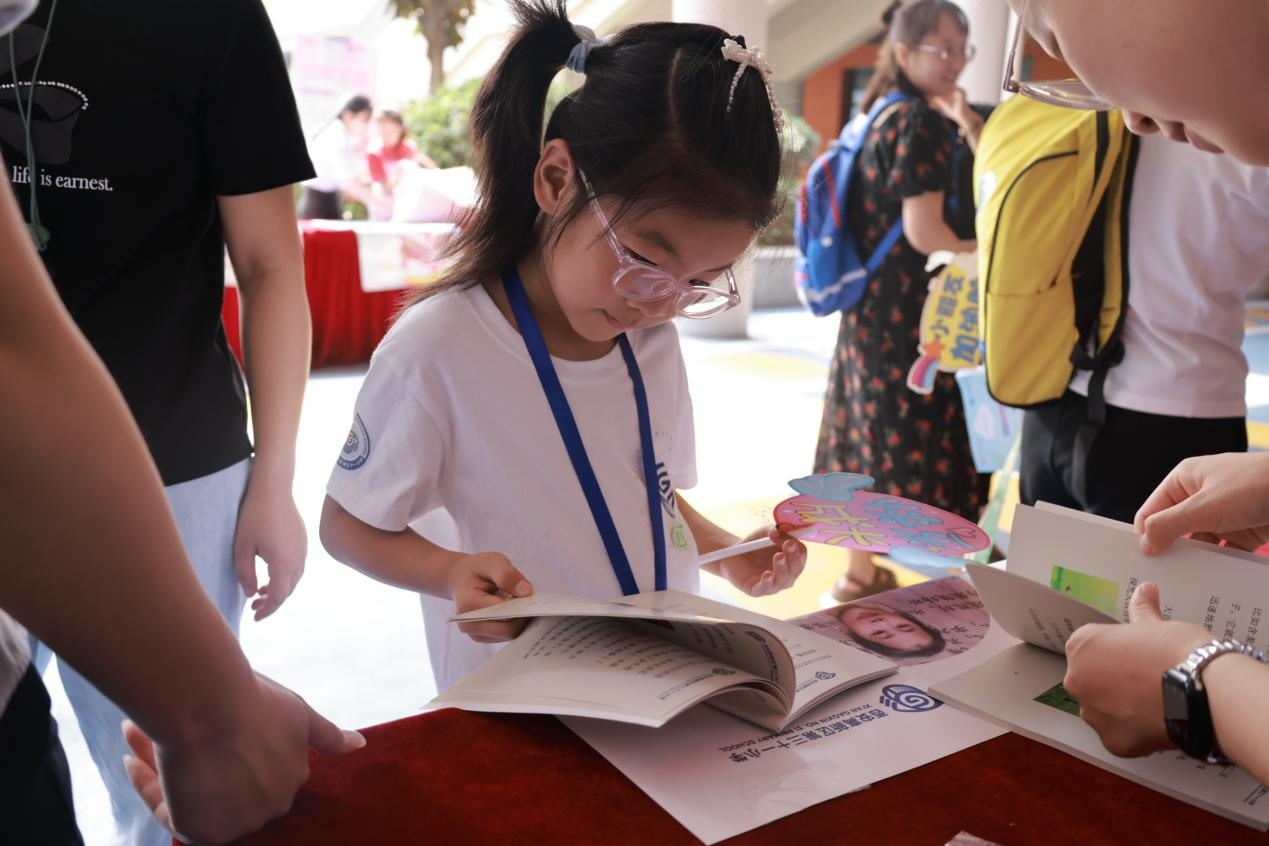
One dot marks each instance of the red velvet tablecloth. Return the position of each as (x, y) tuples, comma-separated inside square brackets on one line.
[(348, 323), (458, 777)]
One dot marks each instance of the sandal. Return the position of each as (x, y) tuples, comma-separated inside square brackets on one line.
[(848, 589)]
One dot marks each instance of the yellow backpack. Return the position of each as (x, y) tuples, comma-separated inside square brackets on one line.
[(1051, 189)]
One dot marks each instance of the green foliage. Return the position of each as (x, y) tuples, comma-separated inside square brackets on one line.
[(801, 143), (439, 123), (454, 14)]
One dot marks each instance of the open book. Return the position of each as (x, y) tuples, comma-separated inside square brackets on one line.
[(1067, 569), (647, 658)]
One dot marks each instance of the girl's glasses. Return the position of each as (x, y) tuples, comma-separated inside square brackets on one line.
[(946, 53), (646, 283), (1068, 93)]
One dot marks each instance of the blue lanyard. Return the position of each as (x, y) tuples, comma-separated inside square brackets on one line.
[(576, 449)]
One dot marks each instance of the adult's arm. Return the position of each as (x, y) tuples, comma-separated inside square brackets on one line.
[(95, 568), (264, 246), (925, 229), (1116, 673)]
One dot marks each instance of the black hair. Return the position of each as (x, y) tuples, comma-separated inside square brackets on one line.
[(392, 115), (936, 645), (906, 22), (355, 105), (650, 126)]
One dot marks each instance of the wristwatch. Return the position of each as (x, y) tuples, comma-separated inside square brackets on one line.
[(1186, 711)]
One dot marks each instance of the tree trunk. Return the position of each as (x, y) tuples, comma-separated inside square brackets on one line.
[(432, 25)]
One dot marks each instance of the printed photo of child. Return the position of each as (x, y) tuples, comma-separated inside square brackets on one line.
[(913, 625)]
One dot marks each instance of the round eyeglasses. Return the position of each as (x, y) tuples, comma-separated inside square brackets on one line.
[(947, 53), (644, 282), (1067, 93)]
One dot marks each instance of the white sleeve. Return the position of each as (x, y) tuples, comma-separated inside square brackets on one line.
[(390, 465), (683, 454)]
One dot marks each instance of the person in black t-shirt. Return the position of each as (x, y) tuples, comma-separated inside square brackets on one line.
[(160, 132), (87, 542)]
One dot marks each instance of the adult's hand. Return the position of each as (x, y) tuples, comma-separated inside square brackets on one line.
[(1116, 673), (235, 779), (1216, 497)]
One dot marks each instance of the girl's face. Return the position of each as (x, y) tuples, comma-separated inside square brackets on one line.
[(1193, 72), (391, 132), (884, 628), (356, 124), (923, 63), (581, 264)]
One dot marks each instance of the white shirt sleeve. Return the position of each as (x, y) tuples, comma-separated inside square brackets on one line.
[(683, 457), (390, 466)]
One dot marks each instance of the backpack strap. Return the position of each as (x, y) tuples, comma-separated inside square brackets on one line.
[(888, 241), (1111, 352)]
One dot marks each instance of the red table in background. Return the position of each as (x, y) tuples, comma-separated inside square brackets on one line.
[(348, 323), (458, 777)]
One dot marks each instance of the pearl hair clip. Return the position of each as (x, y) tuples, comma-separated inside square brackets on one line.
[(751, 57)]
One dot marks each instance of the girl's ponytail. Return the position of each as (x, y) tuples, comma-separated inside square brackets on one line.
[(506, 133)]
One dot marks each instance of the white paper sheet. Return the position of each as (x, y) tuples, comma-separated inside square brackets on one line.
[(720, 776)]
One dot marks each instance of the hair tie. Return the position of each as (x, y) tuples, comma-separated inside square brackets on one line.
[(751, 57), (576, 61)]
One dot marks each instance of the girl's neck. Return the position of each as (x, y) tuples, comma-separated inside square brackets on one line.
[(562, 341)]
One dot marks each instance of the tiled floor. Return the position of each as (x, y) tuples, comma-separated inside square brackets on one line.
[(355, 648)]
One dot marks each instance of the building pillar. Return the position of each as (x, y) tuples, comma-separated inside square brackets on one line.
[(736, 17), (991, 26)]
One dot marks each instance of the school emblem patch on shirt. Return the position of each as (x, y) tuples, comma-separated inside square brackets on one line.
[(357, 447)]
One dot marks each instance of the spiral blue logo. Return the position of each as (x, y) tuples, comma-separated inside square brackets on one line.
[(906, 699), (356, 447)]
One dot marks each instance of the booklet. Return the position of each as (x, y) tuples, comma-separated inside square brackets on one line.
[(1068, 569), (644, 659)]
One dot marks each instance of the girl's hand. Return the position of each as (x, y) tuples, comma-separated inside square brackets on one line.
[(760, 573), (485, 579)]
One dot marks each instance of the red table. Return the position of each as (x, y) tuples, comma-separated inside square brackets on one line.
[(458, 777), (348, 323)]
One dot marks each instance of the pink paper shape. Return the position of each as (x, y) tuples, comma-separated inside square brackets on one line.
[(878, 522)]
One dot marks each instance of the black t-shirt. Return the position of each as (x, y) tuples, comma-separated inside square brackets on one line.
[(145, 111)]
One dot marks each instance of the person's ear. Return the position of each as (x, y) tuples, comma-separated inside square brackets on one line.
[(902, 56), (554, 175)]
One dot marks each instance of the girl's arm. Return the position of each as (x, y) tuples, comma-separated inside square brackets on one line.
[(758, 573), (925, 229), (406, 559)]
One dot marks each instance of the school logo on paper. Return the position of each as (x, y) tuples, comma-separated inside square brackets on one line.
[(357, 447), (906, 699)]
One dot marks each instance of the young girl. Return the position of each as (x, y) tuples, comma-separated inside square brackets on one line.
[(538, 394)]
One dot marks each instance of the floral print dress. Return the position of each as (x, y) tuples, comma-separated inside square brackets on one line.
[(913, 445)]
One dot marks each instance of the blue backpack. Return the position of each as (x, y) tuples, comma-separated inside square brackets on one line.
[(829, 274)]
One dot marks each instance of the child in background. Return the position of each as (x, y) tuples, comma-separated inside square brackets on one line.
[(538, 393), (393, 146)]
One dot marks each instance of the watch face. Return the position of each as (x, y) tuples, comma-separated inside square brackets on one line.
[(1176, 689)]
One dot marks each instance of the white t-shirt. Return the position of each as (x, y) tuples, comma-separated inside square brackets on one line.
[(337, 158), (452, 416), (15, 656), (1198, 239)]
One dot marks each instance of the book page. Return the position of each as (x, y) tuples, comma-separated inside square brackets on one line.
[(599, 667), (1098, 562), (747, 645), (822, 668), (1021, 688), (1030, 611)]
